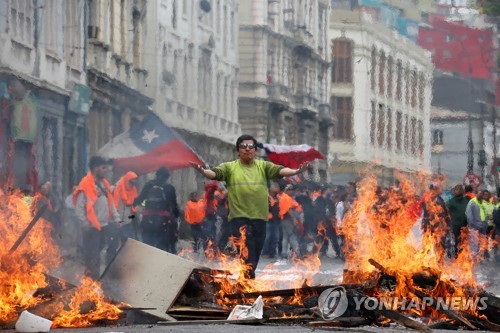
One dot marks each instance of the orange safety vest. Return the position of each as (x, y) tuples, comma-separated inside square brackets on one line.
[(287, 203), (123, 191), (88, 187), (194, 213)]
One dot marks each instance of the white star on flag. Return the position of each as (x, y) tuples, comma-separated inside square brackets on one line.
[(149, 136)]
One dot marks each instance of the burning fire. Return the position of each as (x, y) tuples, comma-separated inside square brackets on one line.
[(23, 272), (378, 227)]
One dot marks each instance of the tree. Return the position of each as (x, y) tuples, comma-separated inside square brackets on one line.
[(490, 7)]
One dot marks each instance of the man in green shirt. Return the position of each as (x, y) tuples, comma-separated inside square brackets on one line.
[(456, 206), (246, 180)]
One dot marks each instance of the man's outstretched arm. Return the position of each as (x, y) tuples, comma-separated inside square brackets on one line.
[(287, 172), (207, 173)]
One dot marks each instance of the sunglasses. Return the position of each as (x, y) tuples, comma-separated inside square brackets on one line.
[(246, 145)]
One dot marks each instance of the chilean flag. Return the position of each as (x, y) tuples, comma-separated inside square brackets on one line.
[(291, 156), (147, 146)]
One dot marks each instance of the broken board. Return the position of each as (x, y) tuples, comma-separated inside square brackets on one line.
[(146, 277)]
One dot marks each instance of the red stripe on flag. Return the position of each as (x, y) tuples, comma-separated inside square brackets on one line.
[(295, 158), (172, 155)]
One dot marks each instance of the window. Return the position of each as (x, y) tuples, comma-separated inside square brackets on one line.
[(373, 68), (389, 128), (342, 60), (407, 134), (381, 75), (231, 31), (421, 138), (390, 65), (21, 20), (137, 13), (407, 83), (73, 46), (174, 14), (373, 122), (51, 28), (380, 125), (449, 38), (218, 19), (399, 130), (342, 110), (413, 136), (437, 137), (421, 91), (414, 86), (399, 73)]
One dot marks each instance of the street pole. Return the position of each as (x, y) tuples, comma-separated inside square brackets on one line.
[(470, 148)]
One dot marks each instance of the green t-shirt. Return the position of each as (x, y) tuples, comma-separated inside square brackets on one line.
[(247, 187)]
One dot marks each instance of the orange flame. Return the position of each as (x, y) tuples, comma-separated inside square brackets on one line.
[(23, 271)]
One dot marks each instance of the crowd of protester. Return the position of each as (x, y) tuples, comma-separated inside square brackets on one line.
[(305, 217)]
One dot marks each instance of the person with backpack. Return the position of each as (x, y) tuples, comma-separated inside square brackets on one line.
[(159, 218)]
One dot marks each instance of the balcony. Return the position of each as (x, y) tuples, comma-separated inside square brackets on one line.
[(278, 94), (306, 103)]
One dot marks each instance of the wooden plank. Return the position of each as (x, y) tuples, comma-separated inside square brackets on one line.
[(420, 294), (402, 320), (290, 292), (395, 316), (452, 314)]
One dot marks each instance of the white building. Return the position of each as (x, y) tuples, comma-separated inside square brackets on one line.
[(283, 88), (115, 68), (191, 56), (381, 97), (42, 60)]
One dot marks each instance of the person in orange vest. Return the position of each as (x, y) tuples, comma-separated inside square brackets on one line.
[(95, 208), (291, 225), (194, 213), (124, 195)]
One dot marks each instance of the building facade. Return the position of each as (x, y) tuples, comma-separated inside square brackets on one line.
[(380, 97), (283, 78), (116, 72), (464, 129), (42, 68), (192, 60)]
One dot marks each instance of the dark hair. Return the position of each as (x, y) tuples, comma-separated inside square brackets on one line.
[(468, 188), (243, 138), (162, 173), (96, 161), (192, 195)]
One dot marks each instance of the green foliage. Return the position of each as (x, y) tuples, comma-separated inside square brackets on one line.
[(490, 7)]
